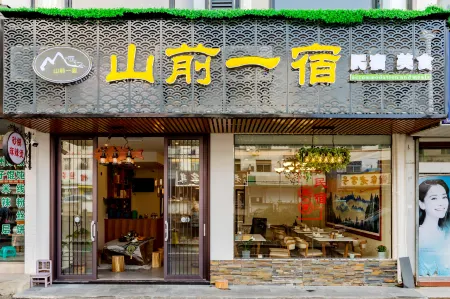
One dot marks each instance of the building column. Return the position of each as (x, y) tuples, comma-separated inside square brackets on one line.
[(37, 203), (16, 3), (403, 191), (199, 4), (222, 196), (49, 3), (422, 4)]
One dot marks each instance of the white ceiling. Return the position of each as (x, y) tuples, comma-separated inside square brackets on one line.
[(148, 144), (440, 131)]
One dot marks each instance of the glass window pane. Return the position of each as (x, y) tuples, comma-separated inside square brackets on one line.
[(120, 3), (12, 211), (183, 208), (76, 206), (434, 154), (323, 4), (295, 215)]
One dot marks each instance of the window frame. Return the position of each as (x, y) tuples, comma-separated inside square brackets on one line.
[(236, 4), (263, 164), (376, 4)]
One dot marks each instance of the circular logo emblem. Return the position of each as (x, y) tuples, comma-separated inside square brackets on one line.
[(62, 64), (14, 148)]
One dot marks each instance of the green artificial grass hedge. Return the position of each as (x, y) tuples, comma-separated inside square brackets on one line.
[(341, 17)]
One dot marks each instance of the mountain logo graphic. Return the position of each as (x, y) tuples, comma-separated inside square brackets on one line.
[(62, 65), (70, 61)]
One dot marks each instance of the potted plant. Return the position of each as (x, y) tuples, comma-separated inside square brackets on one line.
[(246, 248), (382, 251), (79, 242)]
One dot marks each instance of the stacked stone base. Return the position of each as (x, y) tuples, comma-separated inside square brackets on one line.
[(306, 272)]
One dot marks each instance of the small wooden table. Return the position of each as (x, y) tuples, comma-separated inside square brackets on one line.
[(323, 240), (257, 239), (301, 232)]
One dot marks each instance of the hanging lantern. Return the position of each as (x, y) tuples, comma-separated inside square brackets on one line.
[(129, 159), (116, 155), (103, 160), (115, 160)]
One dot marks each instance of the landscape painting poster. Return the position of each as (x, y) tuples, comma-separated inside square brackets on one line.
[(357, 209), (434, 226)]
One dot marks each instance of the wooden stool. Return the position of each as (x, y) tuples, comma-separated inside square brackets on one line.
[(118, 263), (156, 259), (161, 255), (222, 284)]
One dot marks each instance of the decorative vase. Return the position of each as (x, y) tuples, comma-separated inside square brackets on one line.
[(245, 254), (382, 255)]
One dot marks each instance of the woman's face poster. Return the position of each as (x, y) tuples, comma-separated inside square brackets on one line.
[(434, 226)]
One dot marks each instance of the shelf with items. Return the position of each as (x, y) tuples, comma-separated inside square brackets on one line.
[(118, 202)]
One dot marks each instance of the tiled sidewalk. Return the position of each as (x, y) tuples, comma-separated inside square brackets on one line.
[(81, 291)]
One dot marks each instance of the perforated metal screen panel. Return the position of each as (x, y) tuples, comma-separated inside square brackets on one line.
[(245, 90)]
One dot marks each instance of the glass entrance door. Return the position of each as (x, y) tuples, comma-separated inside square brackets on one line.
[(184, 201), (77, 210)]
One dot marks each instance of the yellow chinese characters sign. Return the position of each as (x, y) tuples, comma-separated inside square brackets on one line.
[(364, 180), (322, 60), (322, 63), (182, 63)]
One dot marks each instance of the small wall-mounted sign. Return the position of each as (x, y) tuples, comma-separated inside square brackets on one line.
[(390, 77), (14, 148), (62, 64)]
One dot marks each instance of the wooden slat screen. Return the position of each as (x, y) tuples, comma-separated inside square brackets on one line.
[(200, 125)]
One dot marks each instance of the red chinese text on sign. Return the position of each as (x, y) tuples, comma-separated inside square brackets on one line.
[(14, 148)]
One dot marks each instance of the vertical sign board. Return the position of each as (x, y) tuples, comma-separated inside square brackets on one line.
[(14, 148), (447, 99), (434, 227)]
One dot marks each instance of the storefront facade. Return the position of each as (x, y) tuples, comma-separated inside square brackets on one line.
[(247, 94)]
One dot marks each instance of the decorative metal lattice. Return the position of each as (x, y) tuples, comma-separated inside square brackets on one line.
[(246, 90)]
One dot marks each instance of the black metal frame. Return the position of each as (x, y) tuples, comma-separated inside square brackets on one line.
[(204, 255), (58, 228)]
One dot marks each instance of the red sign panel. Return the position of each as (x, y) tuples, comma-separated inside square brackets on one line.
[(14, 148)]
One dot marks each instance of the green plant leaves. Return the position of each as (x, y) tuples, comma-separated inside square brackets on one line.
[(324, 159), (338, 16)]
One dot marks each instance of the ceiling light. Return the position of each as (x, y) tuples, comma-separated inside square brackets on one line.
[(129, 159), (103, 158), (114, 159)]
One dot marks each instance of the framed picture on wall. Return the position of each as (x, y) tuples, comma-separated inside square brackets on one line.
[(356, 205)]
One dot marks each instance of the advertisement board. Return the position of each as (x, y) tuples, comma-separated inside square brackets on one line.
[(434, 226)]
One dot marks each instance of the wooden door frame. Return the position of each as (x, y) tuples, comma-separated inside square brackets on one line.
[(57, 209), (204, 223)]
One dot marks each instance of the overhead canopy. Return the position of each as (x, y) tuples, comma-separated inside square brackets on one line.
[(196, 125)]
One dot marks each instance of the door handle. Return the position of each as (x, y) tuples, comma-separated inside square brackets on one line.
[(93, 228), (166, 231)]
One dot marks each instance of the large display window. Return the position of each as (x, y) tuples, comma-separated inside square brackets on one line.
[(433, 231), (12, 206), (303, 213)]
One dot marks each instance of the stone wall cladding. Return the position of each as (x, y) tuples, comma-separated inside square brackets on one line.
[(306, 272)]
